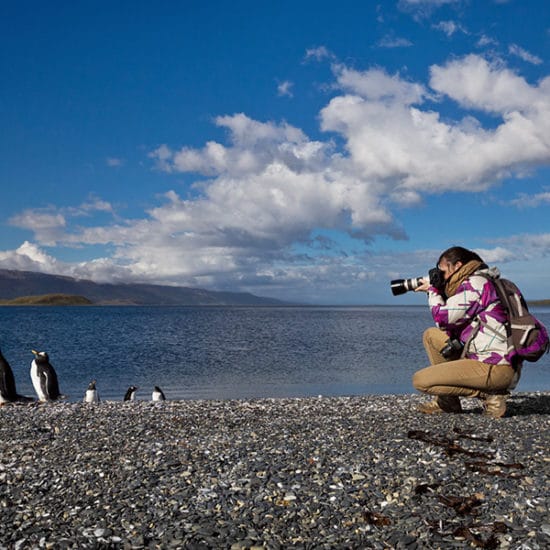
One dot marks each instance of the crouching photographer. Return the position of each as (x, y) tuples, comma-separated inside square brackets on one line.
[(468, 358)]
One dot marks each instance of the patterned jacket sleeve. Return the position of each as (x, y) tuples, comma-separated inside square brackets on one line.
[(472, 297)]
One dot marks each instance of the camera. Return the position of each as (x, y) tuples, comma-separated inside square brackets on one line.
[(452, 349), (400, 286)]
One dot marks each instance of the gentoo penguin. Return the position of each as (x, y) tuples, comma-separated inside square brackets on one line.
[(130, 394), (8, 392), (158, 395), (44, 378), (91, 395)]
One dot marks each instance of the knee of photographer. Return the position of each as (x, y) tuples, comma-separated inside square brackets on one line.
[(434, 340)]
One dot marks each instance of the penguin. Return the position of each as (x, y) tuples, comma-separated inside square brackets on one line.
[(44, 378), (91, 395), (8, 391), (130, 394), (158, 394)]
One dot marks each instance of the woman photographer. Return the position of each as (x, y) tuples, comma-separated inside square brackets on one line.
[(468, 350)]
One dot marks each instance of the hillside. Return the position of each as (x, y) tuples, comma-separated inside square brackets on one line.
[(16, 284), (47, 300)]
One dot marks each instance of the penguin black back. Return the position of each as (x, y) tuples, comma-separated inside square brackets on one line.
[(8, 391), (130, 393)]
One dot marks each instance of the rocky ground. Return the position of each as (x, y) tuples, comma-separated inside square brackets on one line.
[(359, 472)]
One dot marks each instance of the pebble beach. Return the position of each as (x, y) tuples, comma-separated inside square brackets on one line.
[(347, 472)]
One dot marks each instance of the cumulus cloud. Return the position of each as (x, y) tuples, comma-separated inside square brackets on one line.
[(521, 247), (394, 140), (50, 224), (29, 257), (48, 227)]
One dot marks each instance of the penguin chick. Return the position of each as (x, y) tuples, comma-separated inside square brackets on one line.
[(130, 394), (158, 394), (91, 395)]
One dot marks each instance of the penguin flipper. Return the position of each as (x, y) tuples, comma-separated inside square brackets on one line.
[(43, 379)]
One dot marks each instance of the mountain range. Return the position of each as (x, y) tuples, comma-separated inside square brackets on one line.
[(15, 284)]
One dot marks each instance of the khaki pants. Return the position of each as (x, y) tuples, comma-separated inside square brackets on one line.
[(463, 377)]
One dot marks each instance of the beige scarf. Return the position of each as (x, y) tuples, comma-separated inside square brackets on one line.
[(459, 276)]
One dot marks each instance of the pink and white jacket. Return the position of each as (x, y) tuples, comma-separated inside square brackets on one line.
[(474, 307)]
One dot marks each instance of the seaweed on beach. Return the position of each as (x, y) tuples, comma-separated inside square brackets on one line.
[(449, 446)]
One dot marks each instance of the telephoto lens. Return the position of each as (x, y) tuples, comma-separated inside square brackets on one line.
[(400, 286)]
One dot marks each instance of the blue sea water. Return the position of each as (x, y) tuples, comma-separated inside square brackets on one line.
[(228, 352)]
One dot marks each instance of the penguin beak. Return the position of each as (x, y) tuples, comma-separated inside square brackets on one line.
[(34, 352)]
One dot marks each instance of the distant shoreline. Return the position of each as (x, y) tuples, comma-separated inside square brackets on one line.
[(48, 300), (59, 299)]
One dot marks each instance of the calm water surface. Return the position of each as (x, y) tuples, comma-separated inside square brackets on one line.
[(221, 353)]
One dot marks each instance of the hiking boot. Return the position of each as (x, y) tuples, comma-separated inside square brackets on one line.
[(442, 404), (494, 405)]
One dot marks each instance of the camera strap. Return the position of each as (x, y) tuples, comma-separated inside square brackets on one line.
[(475, 324)]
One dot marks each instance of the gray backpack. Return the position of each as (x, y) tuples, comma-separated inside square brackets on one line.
[(526, 334)]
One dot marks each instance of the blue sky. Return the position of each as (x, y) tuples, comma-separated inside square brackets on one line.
[(307, 151)]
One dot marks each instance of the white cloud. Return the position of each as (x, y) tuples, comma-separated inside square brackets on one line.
[(485, 40), (284, 89), (522, 247), (394, 141), (47, 225), (497, 255), (475, 83), (50, 224), (423, 8), (449, 27), (390, 41), (514, 49), (377, 85), (319, 53), (114, 162), (531, 201), (28, 257)]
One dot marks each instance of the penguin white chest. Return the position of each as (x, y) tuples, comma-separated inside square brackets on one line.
[(91, 396), (36, 382)]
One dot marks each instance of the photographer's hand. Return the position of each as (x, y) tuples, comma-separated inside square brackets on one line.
[(424, 287)]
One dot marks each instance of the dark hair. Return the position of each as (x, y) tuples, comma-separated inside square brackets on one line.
[(459, 254)]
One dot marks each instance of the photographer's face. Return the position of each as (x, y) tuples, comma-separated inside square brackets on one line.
[(448, 268)]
